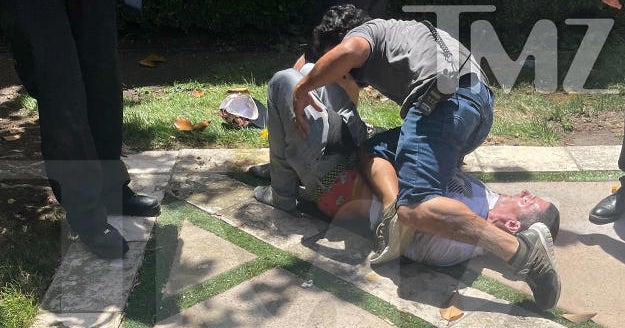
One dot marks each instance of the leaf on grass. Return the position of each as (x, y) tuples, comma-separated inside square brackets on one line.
[(197, 93), (613, 3), (201, 125), (12, 137), (578, 317), (184, 124), (151, 60), (263, 133), (155, 58), (147, 63), (452, 311)]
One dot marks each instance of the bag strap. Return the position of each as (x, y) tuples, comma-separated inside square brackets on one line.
[(442, 43)]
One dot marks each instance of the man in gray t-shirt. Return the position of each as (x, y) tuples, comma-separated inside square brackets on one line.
[(447, 110)]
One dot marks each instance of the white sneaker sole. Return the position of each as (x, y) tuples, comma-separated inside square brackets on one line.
[(547, 241)]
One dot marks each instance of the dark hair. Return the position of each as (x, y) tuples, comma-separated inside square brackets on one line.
[(550, 217), (335, 23)]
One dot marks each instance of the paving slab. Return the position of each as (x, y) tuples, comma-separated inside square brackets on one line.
[(133, 228), (106, 319), (201, 255), (219, 160), (471, 164), (590, 258), (212, 192), (85, 283), (275, 298), (150, 184), (596, 157), (151, 162), (528, 159)]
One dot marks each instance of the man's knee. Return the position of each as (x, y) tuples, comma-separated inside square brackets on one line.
[(286, 77)]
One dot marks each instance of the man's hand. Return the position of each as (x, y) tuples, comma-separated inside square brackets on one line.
[(301, 99)]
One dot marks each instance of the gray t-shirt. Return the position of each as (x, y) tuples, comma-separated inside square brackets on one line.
[(405, 59)]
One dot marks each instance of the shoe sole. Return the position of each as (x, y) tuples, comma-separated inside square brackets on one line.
[(260, 171), (393, 249), (601, 220), (547, 241), (154, 211)]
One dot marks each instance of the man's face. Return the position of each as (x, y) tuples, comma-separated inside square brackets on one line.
[(518, 205)]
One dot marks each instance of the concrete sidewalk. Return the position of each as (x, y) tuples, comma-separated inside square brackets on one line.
[(87, 291)]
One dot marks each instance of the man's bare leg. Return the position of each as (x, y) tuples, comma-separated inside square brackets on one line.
[(382, 179)]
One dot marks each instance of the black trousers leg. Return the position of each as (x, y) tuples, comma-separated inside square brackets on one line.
[(79, 96), (621, 158), (94, 29)]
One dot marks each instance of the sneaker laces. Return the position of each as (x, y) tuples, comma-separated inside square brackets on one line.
[(379, 236), (381, 230)]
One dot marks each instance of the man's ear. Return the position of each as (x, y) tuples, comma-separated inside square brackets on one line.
[(513, 226)]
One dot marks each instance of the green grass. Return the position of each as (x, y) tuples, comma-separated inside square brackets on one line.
[(30, 255), (17, 307), (522, 116)]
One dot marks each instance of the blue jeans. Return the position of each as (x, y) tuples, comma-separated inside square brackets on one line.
[(427, 148)]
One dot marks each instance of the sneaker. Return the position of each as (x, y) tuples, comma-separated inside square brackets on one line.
[(260, 171), (106, 243), (387, 244), (538, 268)]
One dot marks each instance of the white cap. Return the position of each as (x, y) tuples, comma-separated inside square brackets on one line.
[(240, 104)]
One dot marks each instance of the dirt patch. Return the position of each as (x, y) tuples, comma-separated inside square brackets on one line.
[(604, 128)]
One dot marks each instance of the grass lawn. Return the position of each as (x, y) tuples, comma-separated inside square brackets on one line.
[(523, 115)]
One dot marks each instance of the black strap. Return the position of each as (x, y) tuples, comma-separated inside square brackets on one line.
[(438, 39), (442, 43)]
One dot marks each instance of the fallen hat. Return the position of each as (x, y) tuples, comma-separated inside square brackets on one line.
[(240, 104)]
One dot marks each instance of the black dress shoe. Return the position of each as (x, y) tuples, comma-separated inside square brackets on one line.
[(106, 242), (133, 204), (609, 209), (261, 171)]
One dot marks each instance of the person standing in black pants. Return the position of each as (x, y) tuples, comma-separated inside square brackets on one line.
[(612, 207), (65, 55)]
